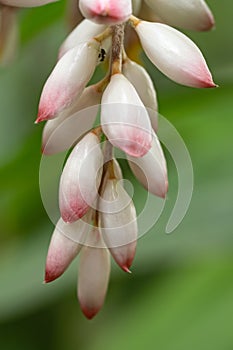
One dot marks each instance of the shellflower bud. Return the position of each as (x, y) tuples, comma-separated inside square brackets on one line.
[(84, 31), (66, 243), (194, 15), (106, 11), (174, 54), (65, 131), (124, 118), (118, 221), (68, 79), (26, 3), (143, 84), (80, 178), (151, 170), (93, 276)]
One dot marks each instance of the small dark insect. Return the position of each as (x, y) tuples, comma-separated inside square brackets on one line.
[(102, 55)]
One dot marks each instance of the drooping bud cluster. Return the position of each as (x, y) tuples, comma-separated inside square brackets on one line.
[(98, 216)]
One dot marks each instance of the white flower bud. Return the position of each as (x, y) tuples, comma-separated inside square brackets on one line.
[(93, 276), (60, 133), (151, 170), (106, 11), (84, 31), (65, 244), (142, 82), (68, 79), (194, 15), (174, 54), (118, 221), (80, 178), (124, 118)]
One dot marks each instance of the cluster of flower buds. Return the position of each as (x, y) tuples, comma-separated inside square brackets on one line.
[(98, 216)]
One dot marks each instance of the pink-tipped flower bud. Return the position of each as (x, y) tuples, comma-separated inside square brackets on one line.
[(93, 276), (26, 3), (124, 118), (118, 221), (60, 133), (68, 79), (174, 54), (65, 244), (143, 84), (106, 11), (151, 170), (194, 15), (81, 178)]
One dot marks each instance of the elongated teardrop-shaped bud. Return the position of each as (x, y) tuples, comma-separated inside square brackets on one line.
[(194, 15), (124, 118), (151, 170), (9, 34), (65, 244), (93, 276), (174, 54), (84, 31), (106, 11), (80, 178), (142, 82), (26, 3), (118, 221), (68, 79), (60, 133)]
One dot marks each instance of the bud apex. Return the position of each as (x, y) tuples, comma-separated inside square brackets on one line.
[(106, 11)]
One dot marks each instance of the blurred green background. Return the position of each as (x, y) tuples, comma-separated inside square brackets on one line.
[(180, 295)]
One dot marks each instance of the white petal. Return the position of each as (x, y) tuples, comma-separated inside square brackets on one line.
[(84, 31), (93, 277), (106, 11), (142, 82), (60, 133), (80, 178), (26, 3), (65, 244), (68, 79), (188, 14), (124, 118), (174, 54), (118, 221), (151, 170)]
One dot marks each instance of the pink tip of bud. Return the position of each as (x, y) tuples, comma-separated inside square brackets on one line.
[(89, 312), (126, 269)]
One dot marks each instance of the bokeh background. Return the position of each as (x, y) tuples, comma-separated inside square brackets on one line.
[(180, 295)]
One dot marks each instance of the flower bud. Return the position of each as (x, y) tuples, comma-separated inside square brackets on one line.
[(26, 3), (68, 79), (93, 276), (174, 54), (66, 243), (80, 178), (194, 15), (118, 221), (124, 118), (60, 133), (151, 170), (84, 31), (106, 11), (143, 84)]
